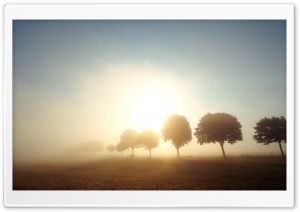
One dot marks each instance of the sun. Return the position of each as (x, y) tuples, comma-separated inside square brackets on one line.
[(150, 109)]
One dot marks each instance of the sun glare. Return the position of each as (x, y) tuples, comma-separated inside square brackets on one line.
[(150, 109)]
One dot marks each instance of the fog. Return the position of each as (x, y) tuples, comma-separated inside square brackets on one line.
[(47, 125), (75, 82)]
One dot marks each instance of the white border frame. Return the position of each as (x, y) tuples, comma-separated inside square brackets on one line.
[(147, 198)]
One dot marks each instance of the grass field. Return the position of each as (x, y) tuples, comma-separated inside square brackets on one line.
[(236, 173)]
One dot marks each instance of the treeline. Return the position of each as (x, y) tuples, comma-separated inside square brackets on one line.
[(212, 128)]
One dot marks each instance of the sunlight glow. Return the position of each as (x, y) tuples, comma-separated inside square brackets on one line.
[(151, 108)]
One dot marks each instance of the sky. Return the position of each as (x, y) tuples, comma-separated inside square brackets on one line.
[(75, 81)]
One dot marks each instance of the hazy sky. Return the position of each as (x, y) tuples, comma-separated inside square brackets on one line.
[(75, 81)]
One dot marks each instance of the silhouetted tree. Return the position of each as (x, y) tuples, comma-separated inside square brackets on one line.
[(218, 127), (129, 139), (269, 130), (177, 129), (149, 139), (111, 148)]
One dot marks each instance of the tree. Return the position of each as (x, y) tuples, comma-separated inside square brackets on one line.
[(177, 129), (111, 148), (121, 147), (269, 130), (88, 147), (130, 139), (149, 139), (218, 127)]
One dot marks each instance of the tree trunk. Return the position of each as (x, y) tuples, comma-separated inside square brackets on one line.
[(150, 152), (222, 146), (177, 152), (132, 152), (281, 149)]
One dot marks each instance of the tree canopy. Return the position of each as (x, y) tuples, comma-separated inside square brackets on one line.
[(149, 139), (177, 129), (269, 130), (121, 147), (129, 138), (111, 148), (218, 127)]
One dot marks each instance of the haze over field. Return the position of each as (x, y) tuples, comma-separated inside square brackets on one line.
[(76, 81)]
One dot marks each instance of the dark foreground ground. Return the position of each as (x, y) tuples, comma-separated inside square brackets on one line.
[(240, 173)]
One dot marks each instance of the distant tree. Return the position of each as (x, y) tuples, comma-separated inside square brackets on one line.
[(149, 139), (177, 129), (269, 130), (121, 147), (218, 127), (111, 148), (93, 146), (130, 139), (88, 147)]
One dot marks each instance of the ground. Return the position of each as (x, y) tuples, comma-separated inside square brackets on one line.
[(127, 173)]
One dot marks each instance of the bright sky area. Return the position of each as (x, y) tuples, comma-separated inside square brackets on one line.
[(75, 81)]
